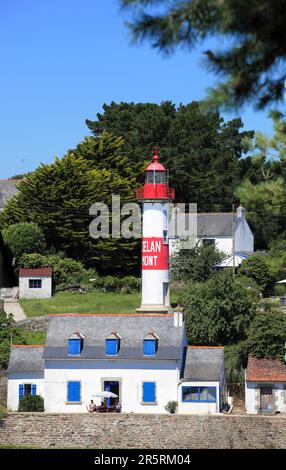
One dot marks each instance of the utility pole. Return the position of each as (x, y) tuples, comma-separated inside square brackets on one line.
[(233, 241)]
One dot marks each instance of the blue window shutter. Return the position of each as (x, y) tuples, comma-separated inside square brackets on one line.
[(21, 391), (149, 347), (149, 392), (73, 391), (74, 347), (111, 347), (34, 389)]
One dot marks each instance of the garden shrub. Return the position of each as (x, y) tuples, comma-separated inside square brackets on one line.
[(32, 403), (171, 407)]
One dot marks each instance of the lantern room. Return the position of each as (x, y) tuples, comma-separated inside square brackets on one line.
[(156, 181)]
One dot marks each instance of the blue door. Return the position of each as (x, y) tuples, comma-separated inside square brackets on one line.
[(111, 386)]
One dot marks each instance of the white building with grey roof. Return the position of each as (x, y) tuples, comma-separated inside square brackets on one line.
[(226, 231), (141, 358)]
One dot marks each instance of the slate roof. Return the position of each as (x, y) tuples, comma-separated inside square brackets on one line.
[(96, 328), (265, 370), (36, 272), (203, 363), (25, 358), (211, 224), (8, 188)]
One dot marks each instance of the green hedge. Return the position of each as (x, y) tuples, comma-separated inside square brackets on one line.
[(32, 403), (125, 284)]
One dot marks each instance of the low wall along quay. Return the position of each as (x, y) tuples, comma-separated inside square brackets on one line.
[(142, 431)]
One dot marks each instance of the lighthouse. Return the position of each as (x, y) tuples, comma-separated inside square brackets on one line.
[(155, 196)]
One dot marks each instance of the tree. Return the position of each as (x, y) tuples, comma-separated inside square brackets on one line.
[(58, 197), (263, 189), (218, 311), (24, 237), (201, 151), (8, 333), (195, 264), (256, 268), (267, 333), (253, 62)]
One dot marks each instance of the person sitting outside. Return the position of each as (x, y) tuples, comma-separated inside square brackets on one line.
[(91, 407), (117, 406), (225, 408)]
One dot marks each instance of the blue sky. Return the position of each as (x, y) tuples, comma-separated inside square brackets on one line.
[(62, 59)]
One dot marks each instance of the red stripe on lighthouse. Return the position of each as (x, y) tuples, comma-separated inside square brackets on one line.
[(155, 254)]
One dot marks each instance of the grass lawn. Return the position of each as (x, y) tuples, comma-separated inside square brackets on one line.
[(74, 302)]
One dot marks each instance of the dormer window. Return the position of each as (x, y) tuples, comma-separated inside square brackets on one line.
[(112, 344), (150, 344), (75, 344)]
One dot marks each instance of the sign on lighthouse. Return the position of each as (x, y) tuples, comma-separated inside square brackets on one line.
[(155, 196)]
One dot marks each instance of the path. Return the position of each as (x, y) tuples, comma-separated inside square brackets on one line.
[(13, 306)]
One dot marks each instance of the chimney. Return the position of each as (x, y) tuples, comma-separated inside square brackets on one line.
[(240, 211), (178, 316)]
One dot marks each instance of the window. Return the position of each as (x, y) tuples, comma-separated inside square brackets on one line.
[(149, 392), (35, 283), (208, 241), (26, 390), (150, 177), (160, 177), (150, 347), (111, 346), (73, 392), (165, 236), (199, 394), (74, 347), (157, 177)]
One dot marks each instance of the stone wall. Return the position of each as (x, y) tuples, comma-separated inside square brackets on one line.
[(35, 323), (142, 431)]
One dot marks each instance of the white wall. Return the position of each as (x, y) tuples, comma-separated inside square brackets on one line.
[(17, 378), (198, 408), (244, 240), (251, 393), (90, 373), (26, 293), (223, 244)]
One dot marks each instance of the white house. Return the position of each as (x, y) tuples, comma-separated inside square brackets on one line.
[(219, 229), (142, 358), (8, 189), (35, 283), (265, 386)]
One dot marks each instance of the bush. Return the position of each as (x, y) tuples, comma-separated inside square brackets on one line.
[(8, 332), (125, 284), (218, 311), (256, 268), (171, 407), (196, 263), (32, 403), (267, 333), (24, 238), (65, 270)]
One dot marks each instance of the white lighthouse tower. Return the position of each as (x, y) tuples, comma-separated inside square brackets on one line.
[(155, 196)]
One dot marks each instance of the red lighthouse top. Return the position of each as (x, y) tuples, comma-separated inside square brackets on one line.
[(156, 181), (155, 165)]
